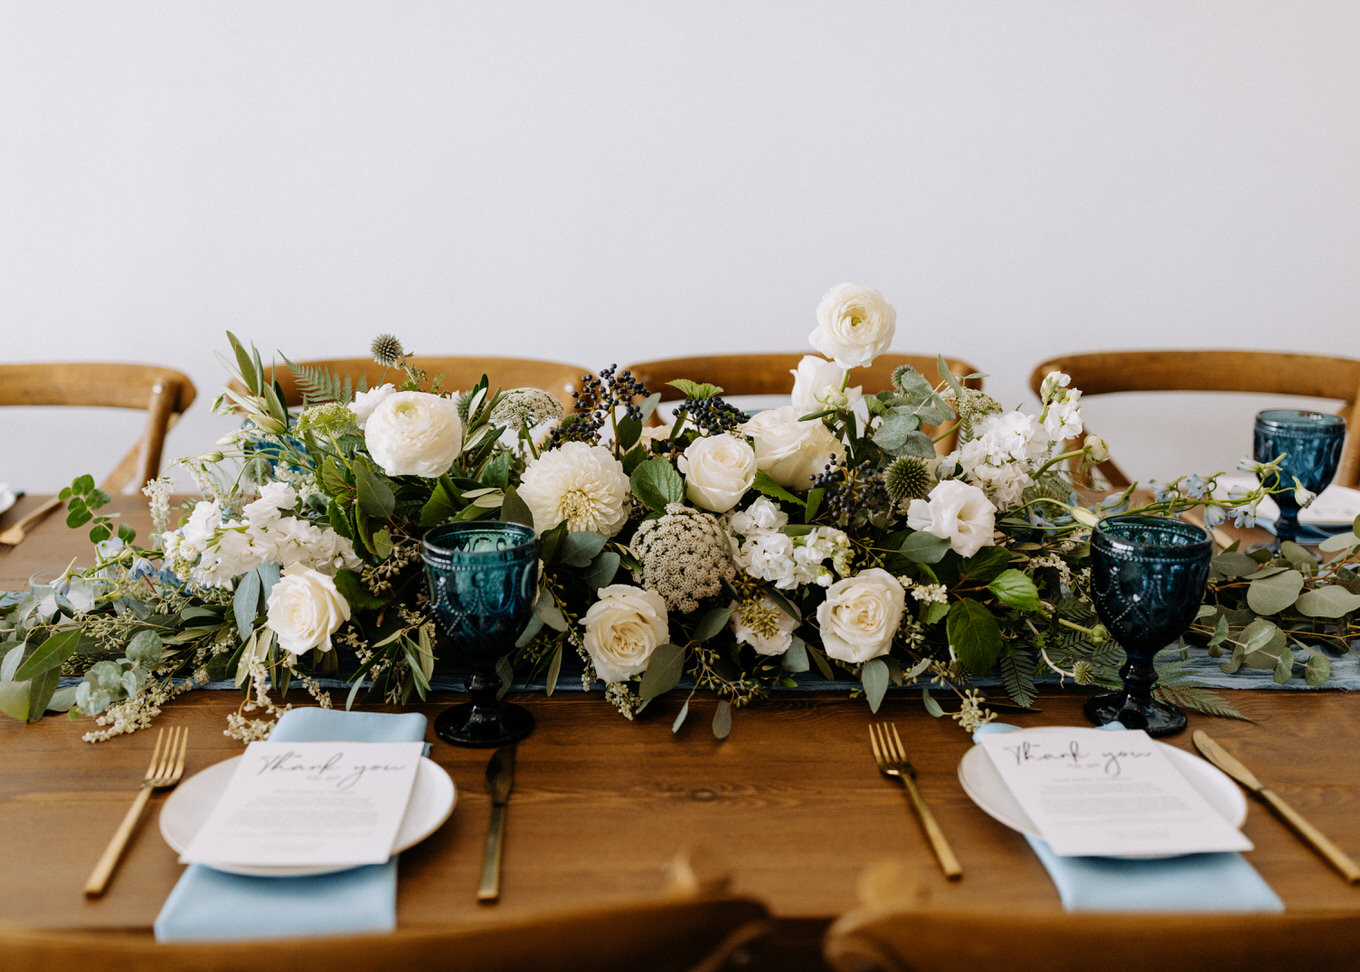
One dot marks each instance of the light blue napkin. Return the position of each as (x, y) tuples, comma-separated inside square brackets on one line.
[(1190, 882), (209, 905)]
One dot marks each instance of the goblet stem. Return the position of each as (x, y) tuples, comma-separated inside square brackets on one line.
[(1134, 707)]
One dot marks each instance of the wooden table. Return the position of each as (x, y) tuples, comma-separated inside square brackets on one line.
[(791, 805)]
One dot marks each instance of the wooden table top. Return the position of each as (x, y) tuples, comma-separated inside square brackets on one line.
[(791, 804)]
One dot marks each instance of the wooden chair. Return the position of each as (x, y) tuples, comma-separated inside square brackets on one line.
[(557, 378), (769, 373), (163, 392), (923, 939), (1264, 372), (666, 934)]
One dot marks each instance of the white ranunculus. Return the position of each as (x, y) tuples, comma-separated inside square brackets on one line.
[(582, 484), (789, 451), (305, 609), (764, 625), (860, 615), (817, 386), (623, 628), (366, 401), (854, 325), (958, 512), (718, 471), (414, 434)]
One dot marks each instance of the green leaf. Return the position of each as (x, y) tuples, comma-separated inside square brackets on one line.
[(767, 486), (823, 666), (49, 655), (924, 548), (42, 687), (694, 389), (514, 509), (931, 705), (722, 720), (712, 622), (246, 604), (1015, 589), (896, 429), (680, 718), (1332, 601), (602, 570), (347, 582), (814, 503), (442, 504), (375, 494), (554, 670), (874, 677), (1317, 669), (1271, 595), (796, 658), (974, 635), (580, 548), (663, 672), (656, 483), (14, 699)]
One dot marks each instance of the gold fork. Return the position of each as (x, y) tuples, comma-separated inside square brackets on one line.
[(167, 766), (892, 761)]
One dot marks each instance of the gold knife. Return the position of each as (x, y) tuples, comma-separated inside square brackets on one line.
[(500, 777), (1313, 837)]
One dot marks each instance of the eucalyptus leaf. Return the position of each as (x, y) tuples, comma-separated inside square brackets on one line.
[(14, 699), (663, 672), (245, 604), (1274, 593), (873, 675), (924, 548), (931, 705), (680, 718), (1332, 601), (796, 657), (602, 570), (1317, 669), (711, 622), (49, 655), (554, 670), (722, 720), (375, 494), (580, 548), (515, 510)]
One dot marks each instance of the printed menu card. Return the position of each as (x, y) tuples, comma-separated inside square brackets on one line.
[(1093, 792), (309, 804)]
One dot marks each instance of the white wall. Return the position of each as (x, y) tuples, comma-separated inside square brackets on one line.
[(605, 180)]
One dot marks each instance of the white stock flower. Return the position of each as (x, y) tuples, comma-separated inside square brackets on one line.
[(582, 484), (366, 401), (817, 386), (305, 609), (274, 497), (789, 451), (718, 471), (414, 434), (763, 514), (1096, 448), (763, 625), (860, 615), (958, 512), (854, 325), (623, 628)]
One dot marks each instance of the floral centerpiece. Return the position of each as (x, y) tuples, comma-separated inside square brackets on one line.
[(716, 551)]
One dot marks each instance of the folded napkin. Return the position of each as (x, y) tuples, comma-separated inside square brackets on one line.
[(210, 905), (1190, 882)]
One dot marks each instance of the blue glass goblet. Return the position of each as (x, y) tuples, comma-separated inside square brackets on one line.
[(1147, 582), (482, 578), (1311, 443)]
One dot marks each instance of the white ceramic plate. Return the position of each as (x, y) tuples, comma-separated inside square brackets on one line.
[(432, 799), (1335, 508), (984, 786), (7, 497)]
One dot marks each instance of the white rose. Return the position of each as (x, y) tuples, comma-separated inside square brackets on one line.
[(765, 626), (582, 484), (414, 434), (789, 451), (860, 615), (854, 325), (958, 512), (366, 401), (623, 628), (718, 470), (305, 609), (817, 386)]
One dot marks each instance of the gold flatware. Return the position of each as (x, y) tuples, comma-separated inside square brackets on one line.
[(1310, 835), (892, 761), (165, 770), (500, 777), (14, 536)]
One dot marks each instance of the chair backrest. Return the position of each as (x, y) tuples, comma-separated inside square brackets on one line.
[(163, 393), (769, 373), (1264, 372), (922, 938), (667, 934), (557, 378)]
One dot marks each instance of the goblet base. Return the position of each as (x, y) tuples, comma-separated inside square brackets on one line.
[(1155, 718), (471, 725)]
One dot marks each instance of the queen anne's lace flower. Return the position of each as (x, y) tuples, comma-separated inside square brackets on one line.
[(523, 408), (686, 557), (579, 483)]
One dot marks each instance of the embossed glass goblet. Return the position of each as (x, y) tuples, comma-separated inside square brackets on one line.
[(1147, 582), (482, 578), (1311, 443)]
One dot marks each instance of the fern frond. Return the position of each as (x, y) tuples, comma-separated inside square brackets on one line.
[(322, 385), (1197, 698), (1017, 676)]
